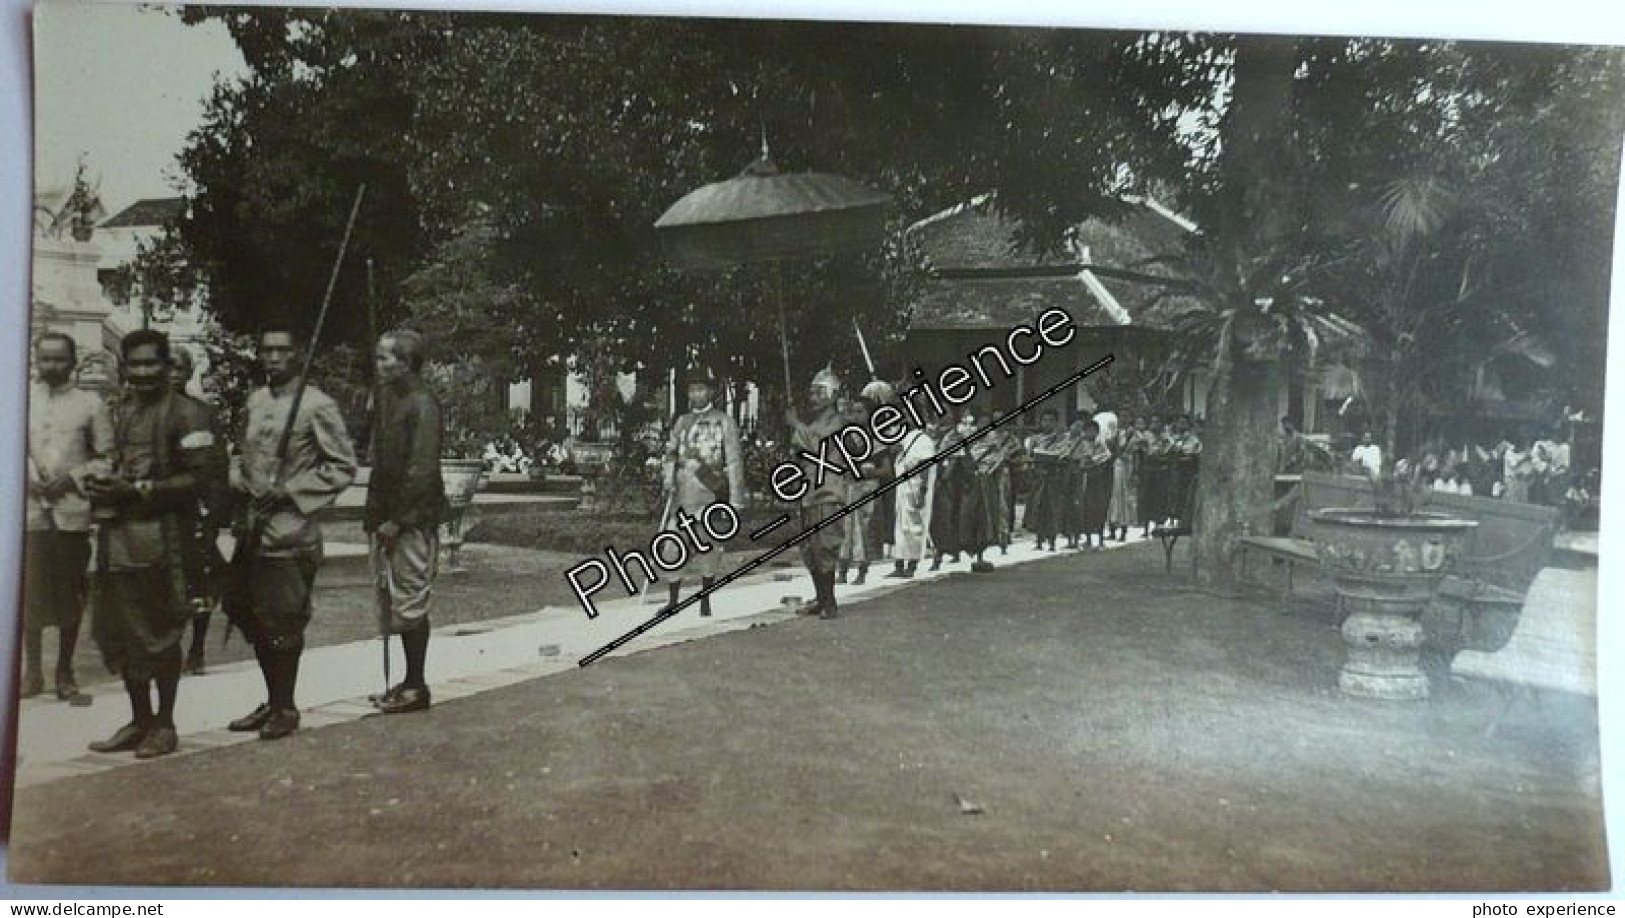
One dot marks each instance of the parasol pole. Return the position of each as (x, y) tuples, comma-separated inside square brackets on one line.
[(784, 333), (372, 395), (867, 360)]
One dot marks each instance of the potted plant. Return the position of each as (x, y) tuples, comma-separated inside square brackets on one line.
[(470, 418), (1386, 564)]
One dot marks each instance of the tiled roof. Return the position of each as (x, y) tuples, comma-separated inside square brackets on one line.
[(977, 237), (1002, 303), (146, 212), (986, 285)]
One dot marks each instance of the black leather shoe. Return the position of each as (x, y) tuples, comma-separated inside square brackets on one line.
[(128, 737), (389, 693), (66, 687), (406, 701), (159, 741), (828, 612), (249, 723), (279, 724)]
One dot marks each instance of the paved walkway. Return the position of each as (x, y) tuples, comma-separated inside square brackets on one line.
[(464, 659)]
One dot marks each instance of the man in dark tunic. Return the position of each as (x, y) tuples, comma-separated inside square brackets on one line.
[(277, 569), (820, 551), (982, 518), (1156, 471), (1186, 454), (1094, 469), (955, 472), (146, 501), (204, 565), (1046, 500), (406, 501)]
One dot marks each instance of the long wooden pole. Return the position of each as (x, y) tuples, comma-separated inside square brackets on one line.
[(316, 337), (868, 360)]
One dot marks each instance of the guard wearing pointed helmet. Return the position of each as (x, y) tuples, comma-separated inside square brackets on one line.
[(824, 499)]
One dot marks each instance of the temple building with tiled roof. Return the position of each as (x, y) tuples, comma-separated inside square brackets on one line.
[(979, 280)]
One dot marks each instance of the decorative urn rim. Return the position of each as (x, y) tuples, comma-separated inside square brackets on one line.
[(1366, 518)]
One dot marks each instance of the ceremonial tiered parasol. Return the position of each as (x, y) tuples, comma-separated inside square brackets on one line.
[(765, 216)]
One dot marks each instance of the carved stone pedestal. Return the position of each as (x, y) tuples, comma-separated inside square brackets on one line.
[(1384, 654), (1385, 571)]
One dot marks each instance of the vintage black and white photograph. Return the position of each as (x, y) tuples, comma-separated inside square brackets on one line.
[(542, 451)]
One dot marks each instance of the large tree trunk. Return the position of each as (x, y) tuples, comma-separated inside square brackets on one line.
[(1256, 212), (1237, 484)]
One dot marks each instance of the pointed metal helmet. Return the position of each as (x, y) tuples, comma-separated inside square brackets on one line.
[(827, 379), (878, 391)]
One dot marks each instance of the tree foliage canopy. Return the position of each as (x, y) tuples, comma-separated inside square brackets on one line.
[(517, 164)]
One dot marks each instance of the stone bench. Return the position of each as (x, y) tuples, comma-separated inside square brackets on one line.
[(1554, 643)]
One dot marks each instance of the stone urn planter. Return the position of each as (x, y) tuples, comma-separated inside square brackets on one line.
[(1386, 570), (462, 478)]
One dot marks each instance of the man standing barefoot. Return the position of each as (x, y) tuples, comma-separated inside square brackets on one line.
[(68, 430)]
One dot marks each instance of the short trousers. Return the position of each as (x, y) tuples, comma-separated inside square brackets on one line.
[(403, 575)]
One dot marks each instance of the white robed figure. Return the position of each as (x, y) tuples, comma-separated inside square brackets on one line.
[(911, 537)]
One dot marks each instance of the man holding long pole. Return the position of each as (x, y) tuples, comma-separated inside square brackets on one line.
[(284, 492)]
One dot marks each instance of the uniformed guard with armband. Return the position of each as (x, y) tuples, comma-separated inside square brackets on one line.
[(146, 499)]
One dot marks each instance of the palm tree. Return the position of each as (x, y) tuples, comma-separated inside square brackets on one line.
[(1417, 279)]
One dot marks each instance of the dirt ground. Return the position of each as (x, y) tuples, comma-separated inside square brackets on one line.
[(1111, 727)]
